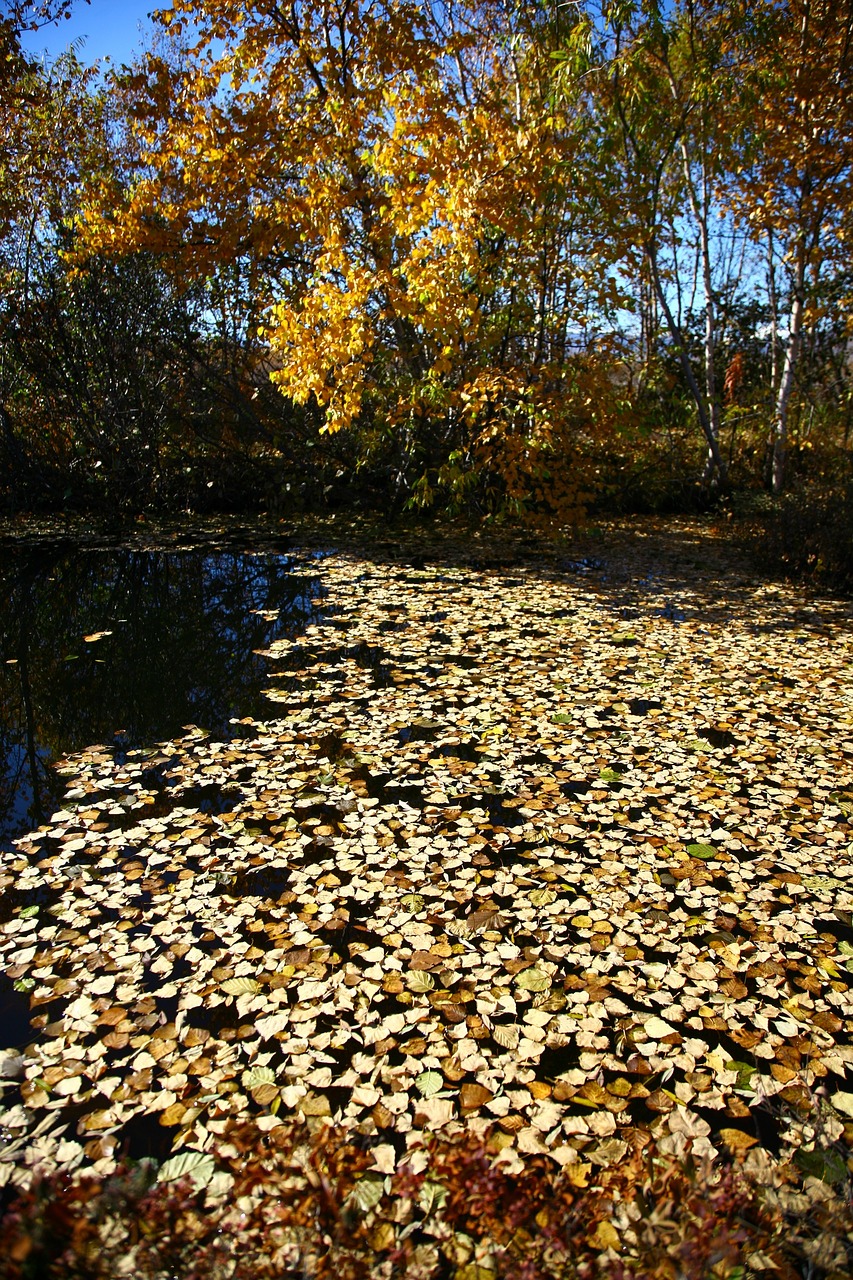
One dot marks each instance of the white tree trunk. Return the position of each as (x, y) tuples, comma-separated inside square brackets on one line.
[(786, 379)]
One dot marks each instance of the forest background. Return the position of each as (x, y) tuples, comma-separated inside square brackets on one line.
[(501, 259)]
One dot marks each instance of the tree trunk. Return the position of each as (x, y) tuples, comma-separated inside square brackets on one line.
[(786, 380), (715, 457)]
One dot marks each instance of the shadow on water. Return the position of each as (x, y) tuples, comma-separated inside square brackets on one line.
[(126, 647)]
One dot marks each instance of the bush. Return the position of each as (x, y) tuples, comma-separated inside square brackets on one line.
[(293, 1204), (807, 533)]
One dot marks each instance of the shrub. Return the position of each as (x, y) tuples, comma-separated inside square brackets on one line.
[(291, 1204)]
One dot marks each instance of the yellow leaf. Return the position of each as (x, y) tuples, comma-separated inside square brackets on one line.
[(605, 1236), (578, 1174), (737, 1141)]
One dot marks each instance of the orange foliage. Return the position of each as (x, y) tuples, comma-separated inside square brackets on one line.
[(298, 1205), (394, 179)]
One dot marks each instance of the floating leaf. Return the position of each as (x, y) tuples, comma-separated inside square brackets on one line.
[(255, 1076), (367, 1192), (473, 1096), (420, 981), (265, 1094), (562, 717), (429, 1083), (532, 980), (823, 882), (543, 897), (195, 1165), (506, 1036), (28, 912), (656, 1028), (609, 775), (702, 851), (745, 1072), (737, 1141), (241, 986), (431, 1195), (412, 902), (829, 1166)]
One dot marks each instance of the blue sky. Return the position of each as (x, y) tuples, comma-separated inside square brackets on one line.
[(113, 29)]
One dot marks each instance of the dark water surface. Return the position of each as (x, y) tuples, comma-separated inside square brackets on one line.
[(183, 626)]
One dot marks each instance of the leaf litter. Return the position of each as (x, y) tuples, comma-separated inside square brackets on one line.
[(488, 863)]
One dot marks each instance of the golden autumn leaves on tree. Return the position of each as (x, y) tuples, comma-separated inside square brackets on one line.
[(795, 181), (476, 236), (397, 175)]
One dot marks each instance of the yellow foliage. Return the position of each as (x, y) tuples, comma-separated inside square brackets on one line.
[(394, 183)]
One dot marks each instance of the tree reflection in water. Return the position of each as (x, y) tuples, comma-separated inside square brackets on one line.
[(180, 651)]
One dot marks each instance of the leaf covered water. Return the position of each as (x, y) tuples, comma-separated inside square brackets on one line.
[(549, 911)]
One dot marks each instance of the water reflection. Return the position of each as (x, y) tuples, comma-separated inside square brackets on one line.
[(126, 647)]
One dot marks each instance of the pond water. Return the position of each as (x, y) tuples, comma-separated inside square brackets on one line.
[(125, 647)]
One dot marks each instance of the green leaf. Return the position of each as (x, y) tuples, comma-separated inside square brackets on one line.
[(826, 1165), (412, 902), (241, 986), (623, 638), (429, 1083), (432, 1195), (367, 1192), (824, 882), (543, 897), (703, 851), (561, 717), (195, 1165), (24, 984), (420, 981), (532, 980), (609, 775), (257, 1075), (27, 912), (745, 1072)]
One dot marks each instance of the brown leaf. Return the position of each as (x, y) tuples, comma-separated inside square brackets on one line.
[(511, 1123), (315, 1104), (452, 1069), (173, 1114), (263, 1094), (737, 1141), (417, 1046), (473, 1096)]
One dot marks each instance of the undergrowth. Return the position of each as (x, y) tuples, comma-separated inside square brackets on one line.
[(300, 1205), (806, 534)]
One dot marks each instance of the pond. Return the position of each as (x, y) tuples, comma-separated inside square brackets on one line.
[(125, 647), (485, 849)]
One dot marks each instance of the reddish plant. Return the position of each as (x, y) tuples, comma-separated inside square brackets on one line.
[(311, 1205)]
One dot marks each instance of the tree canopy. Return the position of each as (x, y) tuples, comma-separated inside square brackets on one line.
[(506, 249)]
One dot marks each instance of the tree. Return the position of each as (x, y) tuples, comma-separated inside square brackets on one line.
[(54, 129), (793, 186), (658, 86), (397, 178)]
